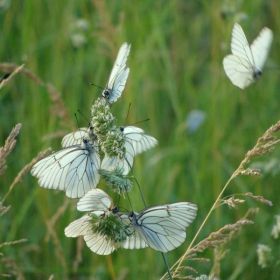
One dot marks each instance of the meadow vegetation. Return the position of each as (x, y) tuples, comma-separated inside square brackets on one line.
[(175, 61)]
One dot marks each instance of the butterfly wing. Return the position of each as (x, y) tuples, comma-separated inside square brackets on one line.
[(75, 138), (73, 170), (240, 66), (96, 242), (240, 46), (95, 199), (163, 227), (118, 76), (136, 142), (261, 46), (238, 70), (79, 227), (139, 141), (99, 244)]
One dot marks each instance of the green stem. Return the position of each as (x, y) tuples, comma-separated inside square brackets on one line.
[(145, 204), (205, 220)]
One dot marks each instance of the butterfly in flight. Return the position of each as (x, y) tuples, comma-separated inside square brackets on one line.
[(244, 65)]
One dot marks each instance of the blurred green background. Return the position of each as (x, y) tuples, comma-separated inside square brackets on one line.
[(176, 56)]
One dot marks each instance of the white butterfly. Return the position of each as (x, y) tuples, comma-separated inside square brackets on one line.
[(163, 227), (136, 142), (244, 65), (74, 169), (100, 205), (76, 138), (118, 76)]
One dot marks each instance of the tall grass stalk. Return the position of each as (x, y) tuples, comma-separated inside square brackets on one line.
[(264, 145)]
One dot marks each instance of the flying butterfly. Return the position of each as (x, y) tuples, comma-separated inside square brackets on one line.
[(74, 169), (101, 206), (118, 76), (136, 142), (244, 65), (163, 227)]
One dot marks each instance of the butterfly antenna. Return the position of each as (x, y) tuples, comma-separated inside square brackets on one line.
[(78, 110), (78, 124), (129, 106), (128, 114), (78, 121), (141, 121), (92, 84)]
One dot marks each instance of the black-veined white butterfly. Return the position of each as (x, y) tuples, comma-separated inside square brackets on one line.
[(163, 227), (74, 169), (244, 65), (136, 142), (101, 205), (118, 76), (76, 138)]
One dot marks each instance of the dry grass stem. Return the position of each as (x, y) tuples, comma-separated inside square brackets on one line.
[(108, 30), (265, 144), (220, 252), (59, 108), (250, 172), (219, 239), (259, 198), (26, 169), (251, 212), (40, 156), (13, 242), (52, 233), (8, 67), (232, 202), (218, 256), (78, 258), (8, 147), (58, 249), (51, 223), (199, 259), (7, 78), (4, 209), (58, 134), (13, 269)]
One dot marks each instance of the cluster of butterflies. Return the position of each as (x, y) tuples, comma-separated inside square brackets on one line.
[(76, 170), (244, 65)]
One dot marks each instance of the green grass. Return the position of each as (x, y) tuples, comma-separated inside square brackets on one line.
[(176, 56)]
